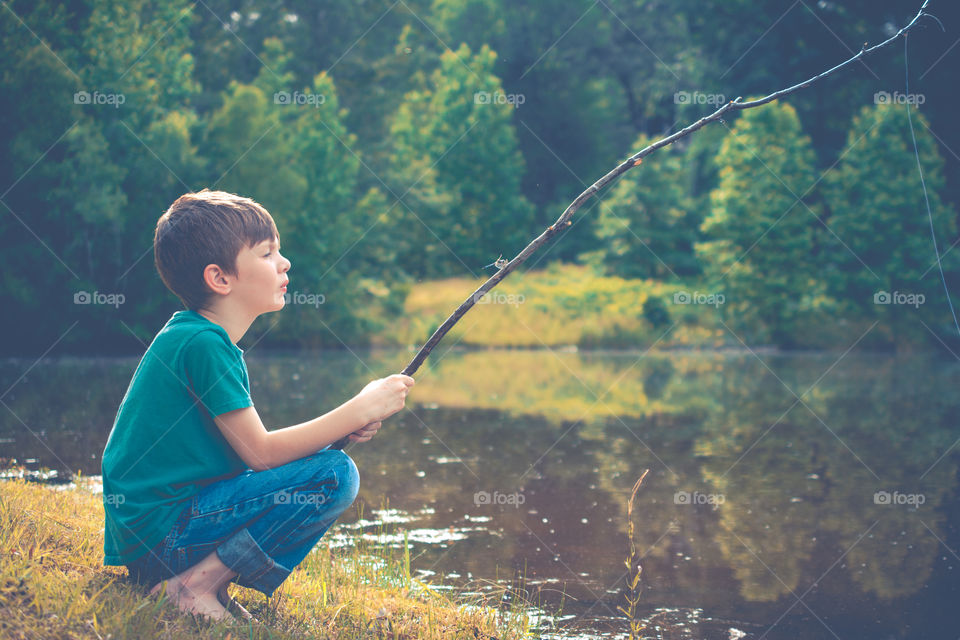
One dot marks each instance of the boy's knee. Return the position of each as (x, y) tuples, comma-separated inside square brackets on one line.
[(345, 470), (348, 479)]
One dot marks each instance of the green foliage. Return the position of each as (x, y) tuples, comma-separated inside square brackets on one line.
[(291, 149), (880, 240), (593, 78), (457, 170), (81, 185), (647, 226), (762, 225)]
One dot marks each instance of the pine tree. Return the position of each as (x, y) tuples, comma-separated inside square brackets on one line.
[(881, 245), (646, 226), (760, 230), (456, 167)]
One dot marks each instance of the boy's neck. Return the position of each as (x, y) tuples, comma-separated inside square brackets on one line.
[(235, 324)]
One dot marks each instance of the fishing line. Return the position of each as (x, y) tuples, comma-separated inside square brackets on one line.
[(926, 198)]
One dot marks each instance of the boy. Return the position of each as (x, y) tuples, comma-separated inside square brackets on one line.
[(197, 493)]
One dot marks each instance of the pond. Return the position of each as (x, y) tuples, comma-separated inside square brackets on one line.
[(789, 495)]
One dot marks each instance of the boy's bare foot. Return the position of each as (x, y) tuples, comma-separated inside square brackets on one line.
[(196, 589), (203, 603)]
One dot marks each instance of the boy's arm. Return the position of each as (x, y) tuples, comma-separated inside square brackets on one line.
[(261, 449)]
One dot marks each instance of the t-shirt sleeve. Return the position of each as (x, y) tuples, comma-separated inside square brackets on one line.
[(216, 374)]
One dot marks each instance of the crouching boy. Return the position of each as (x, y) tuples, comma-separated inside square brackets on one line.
[(197, 493)]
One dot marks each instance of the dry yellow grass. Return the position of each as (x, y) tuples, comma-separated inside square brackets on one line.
[(561, 305), (53, 585)]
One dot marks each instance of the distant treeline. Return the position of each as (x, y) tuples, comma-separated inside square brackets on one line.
[(401, 141)]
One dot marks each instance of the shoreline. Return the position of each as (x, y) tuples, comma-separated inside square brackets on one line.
[(53, 585)]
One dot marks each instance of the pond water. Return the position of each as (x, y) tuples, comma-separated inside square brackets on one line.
[(789, 495)]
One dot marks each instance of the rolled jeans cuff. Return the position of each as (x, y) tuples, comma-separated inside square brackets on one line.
[(254, 568)]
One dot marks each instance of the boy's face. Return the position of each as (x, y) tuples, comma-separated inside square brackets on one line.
[(261, 278)]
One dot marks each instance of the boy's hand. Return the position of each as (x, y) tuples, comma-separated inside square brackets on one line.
[(366, 432), (384, 397)]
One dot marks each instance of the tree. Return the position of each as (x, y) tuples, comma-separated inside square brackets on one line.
[(761, 227), (456, 170), (288, 148), (98, 141), (881, 243), (338, 231), (647, 226)]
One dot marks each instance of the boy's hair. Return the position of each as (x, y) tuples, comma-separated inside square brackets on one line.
[(208, 227)]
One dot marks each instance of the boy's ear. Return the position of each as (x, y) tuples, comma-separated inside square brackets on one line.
[(216, 279)]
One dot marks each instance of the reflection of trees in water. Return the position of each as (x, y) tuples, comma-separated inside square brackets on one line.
[(797, 499), (798, 482), (564, 385)]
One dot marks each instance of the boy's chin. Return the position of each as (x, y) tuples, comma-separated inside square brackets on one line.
[(276, 305)]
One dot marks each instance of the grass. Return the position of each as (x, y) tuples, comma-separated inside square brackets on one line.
[(557, 306), (634, 588), (53, 585)]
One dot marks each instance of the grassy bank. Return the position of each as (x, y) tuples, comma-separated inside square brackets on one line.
[(53, 585), (561, 305), (571, 305)]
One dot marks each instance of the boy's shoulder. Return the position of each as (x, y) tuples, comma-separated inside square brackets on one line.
[(188, 332), (188, 350)]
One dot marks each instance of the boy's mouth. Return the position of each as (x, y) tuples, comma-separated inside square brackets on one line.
[(285, 283)]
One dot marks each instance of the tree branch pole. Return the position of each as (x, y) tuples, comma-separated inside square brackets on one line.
[(564, 220)]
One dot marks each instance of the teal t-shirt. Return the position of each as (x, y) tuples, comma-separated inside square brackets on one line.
[(164, 446)]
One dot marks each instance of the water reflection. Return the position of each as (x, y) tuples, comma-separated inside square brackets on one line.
[(811, 491)]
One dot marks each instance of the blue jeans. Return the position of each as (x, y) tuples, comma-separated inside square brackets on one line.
[(261, 524)]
